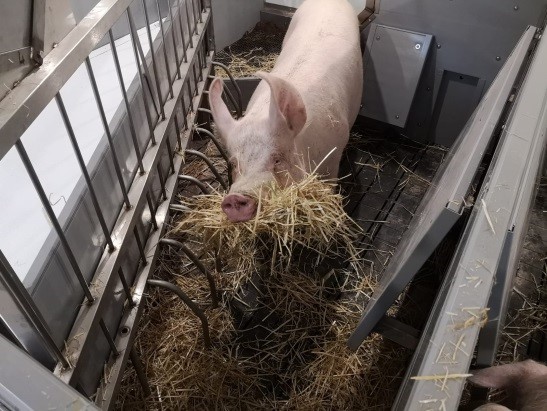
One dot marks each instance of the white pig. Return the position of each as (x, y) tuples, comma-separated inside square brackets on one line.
[(300, 112), (525, 383)]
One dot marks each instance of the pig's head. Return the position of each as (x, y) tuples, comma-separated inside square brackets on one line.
[(261, 145)]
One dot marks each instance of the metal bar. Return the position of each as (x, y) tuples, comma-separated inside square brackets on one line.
[(107, 393), (449, 338), (177, 130), (126, 288), (79, 342), (179, 207), (194, 15), (153, 55), (27, 385), (83, 168), (109, 338), (106, 127), (170, 154), (239, 111), (174, 38), (134, 39), (53, 218), (152, 211), (139, 370), (195, 79), (234, 83), (190, 31), (164, 47), (192, 305), (126, 101), (444, 201), (205, 110), (162, 182), (179, 12), (198, 264), (196, 182), (25, 102), (220, 149), (211, 166), (140, 245), (11, 282), (184, 111)]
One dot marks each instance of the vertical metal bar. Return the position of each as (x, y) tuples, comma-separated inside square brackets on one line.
[(190, 31), (139, 370), (195, 18), (126, 100), (174, 38), (170, 151), (140, 245), (107, 132), (184, 112), (164, 46), (200, 10), (132, 35), (179, 9), (190, 95), (83, 168), (152, 210), (162, 181), (177, 130), (153, 54), (109, 338), (12, 283), (53, 218), (195, 79), (126, 288)]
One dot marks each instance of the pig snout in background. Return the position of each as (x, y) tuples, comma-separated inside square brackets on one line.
[(299, 118), (525, 383)]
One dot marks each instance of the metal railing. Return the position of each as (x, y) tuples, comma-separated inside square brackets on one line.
[(169, 88)]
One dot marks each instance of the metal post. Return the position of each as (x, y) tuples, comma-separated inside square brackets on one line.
[(140, 245), (190, 31), (109, 338), (170, 153), (179, 12), (198, 264), (195, 79), (126, 100), (83, 167), (174, 38), (139, 370), (16, 289), (164, 46), (162, 181), (195, 18), (53, 218), (152, 211), (184, 112), (126, 288), (154, 64), (132, 35), (177, 130), (107, 132)]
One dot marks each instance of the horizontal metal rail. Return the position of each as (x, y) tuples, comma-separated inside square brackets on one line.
[(106, 276), (25, 102), (108, 391)]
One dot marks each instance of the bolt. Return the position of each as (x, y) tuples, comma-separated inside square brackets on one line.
[(428, 89), (397, 117), (377, 37), (418, 46), (516, 8), (498, 58), (438, 46)]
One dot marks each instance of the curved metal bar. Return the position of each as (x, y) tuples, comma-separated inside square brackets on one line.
[(239, 111), (192, 305), (205, 110), (220, 149), (179, 207), (195, 181), (238, 90), (198, 264), (210, 164)]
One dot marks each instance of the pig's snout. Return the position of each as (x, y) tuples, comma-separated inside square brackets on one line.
[(238, 208)]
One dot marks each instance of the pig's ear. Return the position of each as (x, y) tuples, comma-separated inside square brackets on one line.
[(501, 376), (221, 115), (286, 104)]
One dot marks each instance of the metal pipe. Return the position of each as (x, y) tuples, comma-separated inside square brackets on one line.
[(162, 181), (177, 130), (184, 111), (170, 153), (139, 370), (179, 12), (192, 305), (107, 132), (179, 207), (234, 83), (126, 288), (174, 39), (195, 18), (153, 55), (140, 245), (195, 181), (211, 166), (126, 100), (13, 284), (164, 47), (220, 150), (132, 35), (195, 79), (109, 338), (239, 111), (53, 218), (198, 264), (152, 211), (190, 31), (83, 168)]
